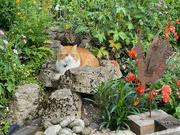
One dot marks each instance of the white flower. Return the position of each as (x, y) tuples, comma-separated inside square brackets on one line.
[(1, 47), (7, 108), (1, 32), (15, 51), (25, 41), (57, 7), (17, 94), (6, 42)]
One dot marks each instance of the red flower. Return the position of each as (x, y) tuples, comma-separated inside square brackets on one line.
[(130, 77), (176, 37), (177, 21), (178, 82), (151, 95), (167, 30), (169, 23), (115, 63), (136, 103), (165, 98), (166, 89), (166, 37), (132, 53), (137, 80), (137, 61), (46, 2), (172, 29), (172, 65), (140, 89)]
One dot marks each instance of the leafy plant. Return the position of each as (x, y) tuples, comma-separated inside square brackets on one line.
[(115, 101)]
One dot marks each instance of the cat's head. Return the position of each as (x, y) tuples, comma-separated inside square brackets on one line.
[(70, 38), (68, 54)]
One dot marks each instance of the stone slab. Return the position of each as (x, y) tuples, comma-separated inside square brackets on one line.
[(142, 124), (173, 131), (166, 123)]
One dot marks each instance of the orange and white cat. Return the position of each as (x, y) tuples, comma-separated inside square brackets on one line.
[(73, 57)]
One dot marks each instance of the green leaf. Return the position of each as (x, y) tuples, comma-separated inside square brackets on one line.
[(122, 35), (138, 16), (130, 25)]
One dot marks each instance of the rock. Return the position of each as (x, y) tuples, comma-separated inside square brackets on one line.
[(108, 132), (47, 124), (85, 43), (25, 105), (78, 103), (66, 121), (65, 131), (39, 133), (53, 31), (56, 121), (53, 130), (86, 131), (86, 122), (77, 129), (60, 105), (47, 74), (77, 122), (94, 125), (54, 46), (80, 79)]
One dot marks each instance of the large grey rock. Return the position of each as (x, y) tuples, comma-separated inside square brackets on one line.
[(25, 105), (53, 130), (60, 105), (80, 79), (54, 46)]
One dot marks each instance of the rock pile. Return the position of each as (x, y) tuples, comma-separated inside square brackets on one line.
[(60, 108)]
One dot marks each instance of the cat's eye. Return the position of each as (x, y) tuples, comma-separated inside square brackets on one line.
[(66, 55)]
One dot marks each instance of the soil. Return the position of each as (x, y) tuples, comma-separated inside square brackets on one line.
[(89, 110)]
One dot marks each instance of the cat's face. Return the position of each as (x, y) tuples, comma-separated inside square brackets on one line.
[(68, 54)]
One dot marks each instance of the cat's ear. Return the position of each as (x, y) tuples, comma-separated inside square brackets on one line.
[(61, 47), (75, 47)]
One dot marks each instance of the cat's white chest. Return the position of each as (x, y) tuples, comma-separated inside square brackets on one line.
[(66, 64)]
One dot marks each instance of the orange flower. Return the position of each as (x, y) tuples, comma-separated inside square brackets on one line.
[(151, 95), (166, 89), (178, 82), (165, 98), (124, 67), (24, 17), (177, 21), (17, 1), (18, 13), (115, 63), (176, 37), (49, 6), (166, 37), (140, 89), (130, 77), (46, 10), (137, 61), (172, 29), (50, 0), (169, 23), (167, 30), (136, 103), (34, 2), (132, 53)]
